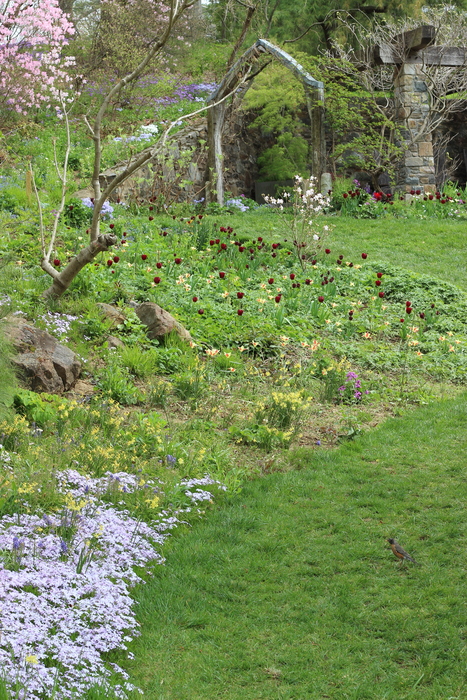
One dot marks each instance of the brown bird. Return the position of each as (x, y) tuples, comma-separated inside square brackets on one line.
[(399, 552)]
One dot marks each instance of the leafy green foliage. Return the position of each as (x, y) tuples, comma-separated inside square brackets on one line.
[(361, 136), (8, 381), (76, 213), (278, 99), (37, 408)]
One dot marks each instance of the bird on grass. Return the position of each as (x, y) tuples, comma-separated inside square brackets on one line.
[(399, 552)]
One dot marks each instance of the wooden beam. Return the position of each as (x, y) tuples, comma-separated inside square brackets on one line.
[(417, 39), (449, 56), (404, 45)]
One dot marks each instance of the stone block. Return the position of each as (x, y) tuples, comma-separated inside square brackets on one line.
[(420, 86), (425, 148), (159, 322), (412, 161)]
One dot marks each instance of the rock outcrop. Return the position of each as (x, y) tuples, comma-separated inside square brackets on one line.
[(45, 363)]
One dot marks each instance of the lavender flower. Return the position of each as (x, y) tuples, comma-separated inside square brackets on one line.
[(237, 203), (77, 582), (106, 211)]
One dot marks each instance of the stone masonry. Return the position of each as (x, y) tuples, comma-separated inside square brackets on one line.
[(417, 169)]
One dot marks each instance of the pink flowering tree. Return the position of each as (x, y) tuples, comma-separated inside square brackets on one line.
[(99, 241), (33, 68)]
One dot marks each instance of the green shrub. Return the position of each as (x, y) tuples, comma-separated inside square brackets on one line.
[(37, 408), (76, 214), (140, 363)]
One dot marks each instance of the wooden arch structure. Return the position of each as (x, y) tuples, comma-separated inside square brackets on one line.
[(234, 78)]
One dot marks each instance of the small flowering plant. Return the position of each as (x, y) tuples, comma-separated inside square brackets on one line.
[(65, 580), (307, 203), (351, 391), (283, 409)]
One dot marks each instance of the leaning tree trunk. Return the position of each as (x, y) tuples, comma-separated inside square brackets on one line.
[(63, 279)]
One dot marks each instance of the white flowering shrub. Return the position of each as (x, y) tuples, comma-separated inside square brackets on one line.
[(306, 203)]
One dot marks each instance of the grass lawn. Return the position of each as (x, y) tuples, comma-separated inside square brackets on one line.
[(289, 589), (434, 247)]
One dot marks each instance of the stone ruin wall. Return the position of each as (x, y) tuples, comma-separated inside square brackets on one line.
[(423, 167), (241, 146)]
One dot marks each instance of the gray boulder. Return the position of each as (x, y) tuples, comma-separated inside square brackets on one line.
[(45, 363), (159, 322)]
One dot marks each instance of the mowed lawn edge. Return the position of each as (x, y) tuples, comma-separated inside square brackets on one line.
[(289, 589)]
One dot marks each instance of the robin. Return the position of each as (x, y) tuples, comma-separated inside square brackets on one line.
[(399, 552)]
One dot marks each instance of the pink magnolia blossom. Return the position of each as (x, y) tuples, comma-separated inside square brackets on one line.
[(32, 67)]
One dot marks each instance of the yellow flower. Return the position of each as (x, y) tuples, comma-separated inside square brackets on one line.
[(32, 659), (153, 502)]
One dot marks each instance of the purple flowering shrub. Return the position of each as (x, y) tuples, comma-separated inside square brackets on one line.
[(65, 578)]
